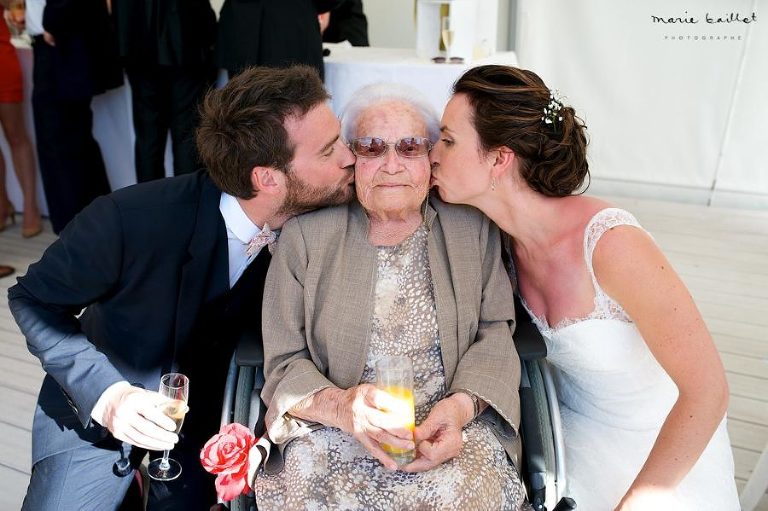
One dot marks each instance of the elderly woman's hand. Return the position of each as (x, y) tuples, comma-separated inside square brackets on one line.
[(362, 413), (439, 437)]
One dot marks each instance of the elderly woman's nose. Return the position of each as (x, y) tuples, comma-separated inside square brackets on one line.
[(392, 161)]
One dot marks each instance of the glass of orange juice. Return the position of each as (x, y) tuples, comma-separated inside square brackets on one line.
[(394, 375)]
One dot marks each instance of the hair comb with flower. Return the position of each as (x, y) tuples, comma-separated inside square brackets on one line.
[(552, 110)]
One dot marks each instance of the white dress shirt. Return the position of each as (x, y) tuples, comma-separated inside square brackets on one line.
[(34, 17), (240, 231)]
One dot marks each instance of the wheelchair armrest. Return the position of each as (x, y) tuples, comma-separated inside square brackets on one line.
[(528, 340), (249, 352), (536, 432)]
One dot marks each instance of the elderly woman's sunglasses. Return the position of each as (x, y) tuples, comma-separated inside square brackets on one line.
[(373, 147)]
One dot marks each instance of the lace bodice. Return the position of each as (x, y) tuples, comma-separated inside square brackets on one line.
[(605, 307)]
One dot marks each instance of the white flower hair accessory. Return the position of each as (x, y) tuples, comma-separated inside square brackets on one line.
[(552, 110)]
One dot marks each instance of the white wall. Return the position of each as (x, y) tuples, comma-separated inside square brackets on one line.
[(392, 23), (670, 115)]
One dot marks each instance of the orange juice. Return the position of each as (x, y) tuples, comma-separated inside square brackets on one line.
[(403, 409)]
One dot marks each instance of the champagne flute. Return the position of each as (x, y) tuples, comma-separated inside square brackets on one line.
[(176, 387), (446, 32)]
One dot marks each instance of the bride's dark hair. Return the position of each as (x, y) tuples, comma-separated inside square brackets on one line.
[(509, 110)]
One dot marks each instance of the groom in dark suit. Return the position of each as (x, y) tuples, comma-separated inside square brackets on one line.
[(169, 275)]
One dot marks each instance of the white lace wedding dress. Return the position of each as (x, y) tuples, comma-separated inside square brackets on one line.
[(614, 397)]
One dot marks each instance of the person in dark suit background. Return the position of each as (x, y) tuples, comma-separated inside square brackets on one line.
[(75, 58), (167, 49), (170, 282), (270, 33), (347, 22)]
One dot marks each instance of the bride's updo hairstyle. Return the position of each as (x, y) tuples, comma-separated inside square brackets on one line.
[(514, 108)]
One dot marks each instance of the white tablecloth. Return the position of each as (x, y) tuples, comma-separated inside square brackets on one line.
[(346, 70)]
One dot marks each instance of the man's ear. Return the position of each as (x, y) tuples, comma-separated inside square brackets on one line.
[(267, 180)]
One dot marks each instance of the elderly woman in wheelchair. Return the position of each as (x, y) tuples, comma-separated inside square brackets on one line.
[(394, 273)]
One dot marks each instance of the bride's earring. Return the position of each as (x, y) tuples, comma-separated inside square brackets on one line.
[(493, 184)]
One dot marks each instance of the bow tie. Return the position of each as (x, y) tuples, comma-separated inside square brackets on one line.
[(265, 237)]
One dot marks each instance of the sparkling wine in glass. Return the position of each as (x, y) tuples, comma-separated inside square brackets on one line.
[(447, 31), (394, 375), (176, 387)]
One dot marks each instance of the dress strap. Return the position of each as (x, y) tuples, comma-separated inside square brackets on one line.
[(603, 221)]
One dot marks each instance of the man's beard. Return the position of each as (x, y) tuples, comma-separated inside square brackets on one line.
[(302, 197)]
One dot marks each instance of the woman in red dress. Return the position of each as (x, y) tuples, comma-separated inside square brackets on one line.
[(15, 131)]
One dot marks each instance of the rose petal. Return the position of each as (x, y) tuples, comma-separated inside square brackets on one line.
[(227, 451), (229, 486)]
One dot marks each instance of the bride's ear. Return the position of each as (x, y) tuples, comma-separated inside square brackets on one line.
[(502, 161)]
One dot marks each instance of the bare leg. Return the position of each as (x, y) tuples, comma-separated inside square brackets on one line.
[(12, 121), (5, 204)]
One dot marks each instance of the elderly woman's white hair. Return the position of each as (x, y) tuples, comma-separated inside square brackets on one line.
[(371, 95)]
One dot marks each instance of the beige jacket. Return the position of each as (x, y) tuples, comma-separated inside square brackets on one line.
[(318, 303)]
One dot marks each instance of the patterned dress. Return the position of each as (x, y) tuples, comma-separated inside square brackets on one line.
[(329, 469)]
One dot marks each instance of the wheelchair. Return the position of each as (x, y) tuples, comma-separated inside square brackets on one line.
[(542, 468)]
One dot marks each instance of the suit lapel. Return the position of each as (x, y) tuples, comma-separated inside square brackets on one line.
[(206, 268), (357, 291), (444, 293)]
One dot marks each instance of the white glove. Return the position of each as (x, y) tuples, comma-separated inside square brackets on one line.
[(134, 415)]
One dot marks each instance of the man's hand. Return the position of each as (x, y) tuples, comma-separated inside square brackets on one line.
[(134, 415), (439, 437), (324, 19), (48, 38), (362, 412)]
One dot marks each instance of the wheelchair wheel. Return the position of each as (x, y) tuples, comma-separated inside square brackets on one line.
[(242, 406), (536, 429), (241, 413)]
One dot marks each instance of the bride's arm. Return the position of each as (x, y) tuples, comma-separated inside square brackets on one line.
[(633, 271)]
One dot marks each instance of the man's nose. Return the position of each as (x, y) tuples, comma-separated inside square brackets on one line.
[(348, 158)]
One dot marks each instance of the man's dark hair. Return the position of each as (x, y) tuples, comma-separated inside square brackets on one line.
[(242, 124)]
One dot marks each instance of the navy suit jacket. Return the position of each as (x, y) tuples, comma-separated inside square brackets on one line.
[(85, 57), (270, 33), (140, 261), (167, 32)]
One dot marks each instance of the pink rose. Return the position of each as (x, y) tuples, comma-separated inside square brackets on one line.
[(226, 454)]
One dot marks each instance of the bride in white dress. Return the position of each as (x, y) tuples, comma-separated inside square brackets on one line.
[(642, 388)]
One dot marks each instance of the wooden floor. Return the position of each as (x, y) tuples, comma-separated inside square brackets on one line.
[(721, 254)]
